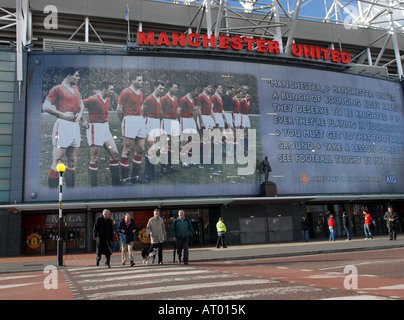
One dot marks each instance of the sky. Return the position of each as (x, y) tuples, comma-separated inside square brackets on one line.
[(315, 8), (319, 8)]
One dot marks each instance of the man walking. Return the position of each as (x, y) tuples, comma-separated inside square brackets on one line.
[(366, 226), (221, 231), (156, 230), (347, 225), (103, 234), (305, 229), (391, 218), (181, 231), (126, 230)]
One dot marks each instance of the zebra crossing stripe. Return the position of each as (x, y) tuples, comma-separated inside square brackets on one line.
[(250, 294), (120, 271), (19, 277), (16, 285), (193, 286), (143, 275), (150, 282)]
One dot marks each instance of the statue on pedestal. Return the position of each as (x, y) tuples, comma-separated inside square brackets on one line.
[(268, 188), (266, 168)]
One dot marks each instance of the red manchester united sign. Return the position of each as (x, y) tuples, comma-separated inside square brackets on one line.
[(223, 42)]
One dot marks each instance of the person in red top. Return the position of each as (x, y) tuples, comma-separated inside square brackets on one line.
[(129, 111), (152, 111), (245, 105), (64, 102), (217, 106), (332, 225), (204, 108), (98, 133), (366, 226), (169, 124), (186, 110), (236, 109)]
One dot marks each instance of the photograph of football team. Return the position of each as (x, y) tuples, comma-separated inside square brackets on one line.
[(129, 127)]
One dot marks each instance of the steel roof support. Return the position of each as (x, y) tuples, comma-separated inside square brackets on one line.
[(395, 44), (293, 28)]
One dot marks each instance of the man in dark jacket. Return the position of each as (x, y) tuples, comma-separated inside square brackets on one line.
[(305, 229), (126, 230), (347, 225), (103, 234), (391, 218), (181, 231)]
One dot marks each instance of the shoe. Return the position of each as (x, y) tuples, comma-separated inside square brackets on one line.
[(217, 247), (123, 263), (132, 263), (185, 262), (179, 260), (224, 246), (108, 265), (126, 182), (97, 263), (161, 263), (136, 179)]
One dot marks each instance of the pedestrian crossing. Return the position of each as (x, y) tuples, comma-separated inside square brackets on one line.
[(179, 282), (16, 281), (174, 282)]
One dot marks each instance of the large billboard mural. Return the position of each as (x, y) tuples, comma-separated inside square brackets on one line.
[(131, 127)]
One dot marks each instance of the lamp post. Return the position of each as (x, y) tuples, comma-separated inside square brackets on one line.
[(60, 168)]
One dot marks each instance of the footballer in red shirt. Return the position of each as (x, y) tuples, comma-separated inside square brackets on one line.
[(186, 109), (204, 108), (245, 105), (169, 124), (152, 111), (64, 102), (129, 111), (236, 108), (99, 134)]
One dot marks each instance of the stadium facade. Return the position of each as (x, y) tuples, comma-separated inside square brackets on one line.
[(322, 98)]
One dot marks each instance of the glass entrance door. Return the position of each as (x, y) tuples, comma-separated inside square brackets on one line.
[(75, 238)]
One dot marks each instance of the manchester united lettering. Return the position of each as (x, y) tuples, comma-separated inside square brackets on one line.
[(238, 43)]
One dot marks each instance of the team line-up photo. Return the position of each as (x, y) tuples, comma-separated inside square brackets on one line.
[(138, 131)]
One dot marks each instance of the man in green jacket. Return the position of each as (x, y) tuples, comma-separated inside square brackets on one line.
[(221, 231), (181, 231)]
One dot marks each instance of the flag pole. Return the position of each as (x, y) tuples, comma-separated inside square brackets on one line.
[(127, 18)]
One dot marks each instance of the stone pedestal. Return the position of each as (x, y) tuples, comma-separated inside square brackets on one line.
[(268, 189)]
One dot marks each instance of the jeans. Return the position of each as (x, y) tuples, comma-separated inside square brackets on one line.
[(332, 233), (368, 234), (305, 235), (348, 233)]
